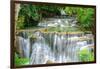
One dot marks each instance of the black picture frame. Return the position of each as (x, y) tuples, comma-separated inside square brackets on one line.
[(12, 3)]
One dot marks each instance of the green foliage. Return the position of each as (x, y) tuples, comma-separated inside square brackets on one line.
[(20, 22), (20, 61), (28, 16), (84, 16), (29, 10), (70, 10), (49, 8), (85, 55)]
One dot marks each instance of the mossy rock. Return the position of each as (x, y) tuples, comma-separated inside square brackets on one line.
[(33, 38), (49, 62)]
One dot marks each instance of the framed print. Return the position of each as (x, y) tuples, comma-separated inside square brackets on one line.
[(50, 34)]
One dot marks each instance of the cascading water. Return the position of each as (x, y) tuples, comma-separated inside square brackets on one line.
[(40, 50), (54, 47), (23, 46)]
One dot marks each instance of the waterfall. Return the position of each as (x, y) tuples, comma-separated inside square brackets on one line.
[(59, 48), (54, 47)]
